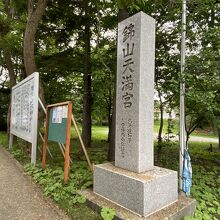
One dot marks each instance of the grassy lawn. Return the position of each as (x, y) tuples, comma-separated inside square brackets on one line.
[(206, 173), (98, 132)]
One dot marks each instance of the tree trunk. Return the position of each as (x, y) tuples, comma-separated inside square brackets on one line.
[(111, 149), (109, 126), (34, 17), (160, 138), (9, 65), (219, 138), (12, 79), (187, 138), (160, 132), (122, 15), (109, 113), (87, 81)]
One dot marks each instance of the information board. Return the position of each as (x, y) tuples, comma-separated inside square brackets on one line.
[(24, 111), (58, 128), (58, 124)]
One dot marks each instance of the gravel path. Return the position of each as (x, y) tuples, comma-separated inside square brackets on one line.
[(203, 139), (20, 199), (193, 139)]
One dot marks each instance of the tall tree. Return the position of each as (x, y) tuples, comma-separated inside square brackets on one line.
[(35, 13), (87, 80), (5, 28), (202, 70)]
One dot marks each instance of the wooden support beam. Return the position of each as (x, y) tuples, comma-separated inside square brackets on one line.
[(82, 144)]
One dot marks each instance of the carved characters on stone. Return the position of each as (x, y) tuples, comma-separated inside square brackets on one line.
[(128, 62)]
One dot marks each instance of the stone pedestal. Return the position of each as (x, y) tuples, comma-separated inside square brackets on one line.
[(142, 193), (176, 211)]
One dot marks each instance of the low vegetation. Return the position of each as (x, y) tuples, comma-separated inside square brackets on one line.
[(206, 175)]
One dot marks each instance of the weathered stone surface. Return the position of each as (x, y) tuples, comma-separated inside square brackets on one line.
[(142, 193), (135, 93), (176, 211)]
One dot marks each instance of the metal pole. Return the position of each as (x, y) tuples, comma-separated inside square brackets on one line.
[(182, 130)]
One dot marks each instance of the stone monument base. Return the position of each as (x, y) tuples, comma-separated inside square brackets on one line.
[(176, 211), (141, 193)]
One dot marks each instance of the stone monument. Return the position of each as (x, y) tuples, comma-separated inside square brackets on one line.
[(133, 181)]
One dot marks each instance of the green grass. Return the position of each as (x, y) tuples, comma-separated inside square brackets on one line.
[(206, 170), (98, 132), (3, 139)]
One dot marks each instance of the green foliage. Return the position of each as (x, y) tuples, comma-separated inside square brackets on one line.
[(104, 74), (3, 139), (189, 218), (66, 195), (202, 81), (175, 125), (205, 190), (51, 180), (107, 213), (4, 100), (206, 180), (59, 51), (18, 154)]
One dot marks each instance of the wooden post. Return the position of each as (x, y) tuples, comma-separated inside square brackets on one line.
[(82, 144), (67, 150), (45, 140)]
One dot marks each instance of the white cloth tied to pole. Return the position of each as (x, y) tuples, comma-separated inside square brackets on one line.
[(187, 173)]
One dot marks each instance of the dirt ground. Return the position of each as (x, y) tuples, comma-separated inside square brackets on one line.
[(20, 199)]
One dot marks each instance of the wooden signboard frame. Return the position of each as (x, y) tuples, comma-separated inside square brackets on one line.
[(68, 134)]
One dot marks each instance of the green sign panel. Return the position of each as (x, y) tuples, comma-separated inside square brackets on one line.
[(58, 124)]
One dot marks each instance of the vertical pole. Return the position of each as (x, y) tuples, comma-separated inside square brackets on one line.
[(34, 152), (67, 150), (11, 138), (35, 120), (182, 130), (45, 140)]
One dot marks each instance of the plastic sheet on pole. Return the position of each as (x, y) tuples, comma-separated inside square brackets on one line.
[(187, 173)]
